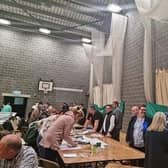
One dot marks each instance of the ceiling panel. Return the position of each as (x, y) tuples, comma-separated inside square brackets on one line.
[(68, 18)]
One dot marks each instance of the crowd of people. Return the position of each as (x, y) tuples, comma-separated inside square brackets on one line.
[(53, 126)]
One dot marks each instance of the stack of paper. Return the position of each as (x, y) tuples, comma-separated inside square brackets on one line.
[(66, 146), (70, 155)]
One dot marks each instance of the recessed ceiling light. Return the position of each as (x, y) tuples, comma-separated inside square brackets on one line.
[(114, 8), (45, 31), (5, 22), (86, 40)]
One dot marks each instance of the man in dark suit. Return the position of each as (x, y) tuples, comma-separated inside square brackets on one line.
[(118, 120), (137, 128), (109, 122)]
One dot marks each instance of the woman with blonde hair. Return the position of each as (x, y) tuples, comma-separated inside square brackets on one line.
[(156, 143), (58, 131)]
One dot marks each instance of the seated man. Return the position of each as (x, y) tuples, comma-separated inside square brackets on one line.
[(95, 118), (14, 155)]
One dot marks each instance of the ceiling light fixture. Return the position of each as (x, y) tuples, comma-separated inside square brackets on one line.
[(114, 8), (86, 40), (5, 21), (45, 31)]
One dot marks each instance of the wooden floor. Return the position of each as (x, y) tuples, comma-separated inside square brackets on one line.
[(116, 165), (122, 137)]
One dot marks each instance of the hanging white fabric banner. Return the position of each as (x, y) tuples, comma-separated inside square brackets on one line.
[(114, 48), (98, 41), (98, 64), (155, 9), (148, 79), (89, 54), (118, 31), (150, 9), (107, 93), (97, 95), (91, 85)]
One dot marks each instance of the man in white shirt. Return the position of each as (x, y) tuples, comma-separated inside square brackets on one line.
[(109, 122)]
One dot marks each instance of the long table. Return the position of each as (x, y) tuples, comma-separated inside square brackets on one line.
[(115, 151)]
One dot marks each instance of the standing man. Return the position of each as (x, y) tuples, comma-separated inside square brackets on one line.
[(137, 129), (95, 118), (14, 155), (118, 120), (109, 122), (134, 111)]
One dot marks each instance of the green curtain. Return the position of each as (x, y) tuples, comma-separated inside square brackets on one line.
[(122, 106), (153, 108), (100, 109), (103, 110)]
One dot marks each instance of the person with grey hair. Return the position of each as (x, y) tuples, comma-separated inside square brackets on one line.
[(14, 154)]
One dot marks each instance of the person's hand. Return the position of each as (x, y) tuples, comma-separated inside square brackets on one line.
[(108, 134), (127, 143), (73, 145)]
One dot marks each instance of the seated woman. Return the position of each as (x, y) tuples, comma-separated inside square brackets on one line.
[(59, 130), (156, 144)]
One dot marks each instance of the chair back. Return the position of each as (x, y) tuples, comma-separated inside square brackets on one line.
[(47, 163)]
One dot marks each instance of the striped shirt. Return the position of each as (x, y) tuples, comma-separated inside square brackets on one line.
[(26, 158)]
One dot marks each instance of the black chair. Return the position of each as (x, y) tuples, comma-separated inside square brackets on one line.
[(47, 163)]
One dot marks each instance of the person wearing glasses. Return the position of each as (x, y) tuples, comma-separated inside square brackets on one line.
[(137, 129)]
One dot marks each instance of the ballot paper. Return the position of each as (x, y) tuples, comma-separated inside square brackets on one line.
[(96, 135), (82, 139), (85, 132), (70, 155), (66, 146), (93, 141), (69, 148)]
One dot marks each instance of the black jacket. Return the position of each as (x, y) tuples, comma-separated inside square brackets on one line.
[(130, 130), (115, 133), (156, 149), (107, 122)]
